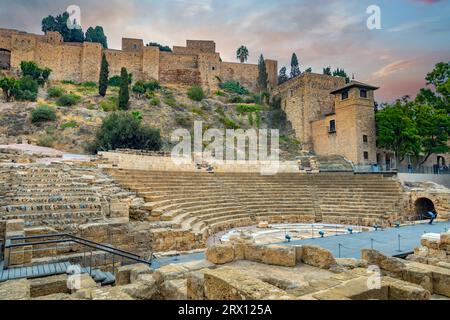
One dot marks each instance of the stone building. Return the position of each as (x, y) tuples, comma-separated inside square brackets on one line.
[(331, 117), (197, 63)]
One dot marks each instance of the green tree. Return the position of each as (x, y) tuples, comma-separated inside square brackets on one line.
[(396, 130), (327, 71), (262, 75), (125, 130), (59, 24), (242, 54), (104, 77), (9, 86), (124, 93), (96, 35), (341, 73), (282, 76), (440, 79), (295, 68), (161, 47)]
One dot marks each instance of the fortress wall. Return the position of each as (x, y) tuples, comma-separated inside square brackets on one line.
[(178, 68), (202, 46), (150, 63), (209, 67), (130, 60), (305, 99), (5, 42), (91, 61), (23, 48), (64, 60), (245, 74)]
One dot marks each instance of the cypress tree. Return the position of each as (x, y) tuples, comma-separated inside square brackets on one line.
[(295, 69), (104, 76), (262, 75), (124, 94)]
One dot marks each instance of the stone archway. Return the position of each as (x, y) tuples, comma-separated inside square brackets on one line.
[(423, 206), (5, 59)]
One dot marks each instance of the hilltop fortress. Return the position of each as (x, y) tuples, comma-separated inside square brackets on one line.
[(197, 63)]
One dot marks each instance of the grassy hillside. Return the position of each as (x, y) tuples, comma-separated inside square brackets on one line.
[(167, 108)]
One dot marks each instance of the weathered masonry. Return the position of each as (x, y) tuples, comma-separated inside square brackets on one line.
[(197, 63)]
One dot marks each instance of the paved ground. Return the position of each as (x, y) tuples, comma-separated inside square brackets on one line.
[(349, 246), (385, 241)]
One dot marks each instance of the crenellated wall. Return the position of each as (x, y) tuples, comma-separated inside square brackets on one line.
[(197, 63)]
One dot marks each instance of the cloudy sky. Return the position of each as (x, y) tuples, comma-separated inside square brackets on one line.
[(415, 34)]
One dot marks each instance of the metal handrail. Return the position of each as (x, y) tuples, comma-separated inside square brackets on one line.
[(54, 235), (81, 241)]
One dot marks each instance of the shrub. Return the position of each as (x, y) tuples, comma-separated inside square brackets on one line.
[(155, 101), (46, 140), (55, 92), (183, 121), (236, 99), (228, 123), (219, 93), (27, 89), (245, 108), (233, 87), (198, 111), (89, 84), (114, 81), (68, 100), (196, 93), (69, 125), (68, 82), (43, 114), (123, 130), (170, 101), (137, 115), (139, 87), (110, 104), (152, 85)]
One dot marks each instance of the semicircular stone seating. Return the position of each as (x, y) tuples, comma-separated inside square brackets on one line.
[(210, 202), (49, 196)]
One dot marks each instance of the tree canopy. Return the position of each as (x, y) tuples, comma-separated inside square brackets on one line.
[(262, 74), (295, 68), (59, 24), (282, 76), (160, 46), (419, 127), (242, 54)]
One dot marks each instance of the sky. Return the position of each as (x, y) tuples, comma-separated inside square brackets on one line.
[(414, 34)]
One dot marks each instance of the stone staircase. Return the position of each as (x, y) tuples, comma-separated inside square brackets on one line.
[(210, 202), (49, 196)]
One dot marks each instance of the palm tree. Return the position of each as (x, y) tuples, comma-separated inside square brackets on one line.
[(242, 54)]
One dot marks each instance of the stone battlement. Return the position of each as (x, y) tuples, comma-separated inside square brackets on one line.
[(197, 63)]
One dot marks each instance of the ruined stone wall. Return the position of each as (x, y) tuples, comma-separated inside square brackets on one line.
[(197, 63), (307, 98), (244, 73)]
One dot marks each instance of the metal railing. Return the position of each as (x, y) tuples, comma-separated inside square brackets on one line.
[(51, 243)]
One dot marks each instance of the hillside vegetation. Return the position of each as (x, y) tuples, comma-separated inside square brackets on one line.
[(67, 116)]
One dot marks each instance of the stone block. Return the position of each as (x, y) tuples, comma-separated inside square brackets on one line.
[(402, 290), (279, 255), (220, 253), (239, 251), (138, 270), (79, 282), (109, 293), (231, 284), (253, 252), (15, 225), (418, 276), (445, 238), (169, 272), (15, 290), (49, 285), (123, 275), (56, 297), (144, 288), (174, 289), (317, 257), (195, 285), (298, 253), (350, 263)]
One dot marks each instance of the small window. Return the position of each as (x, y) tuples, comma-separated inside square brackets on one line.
[(365, 139), (344, 95), (366, 155), (363, 93), (214, 68), (135, 46), (332, 127)]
